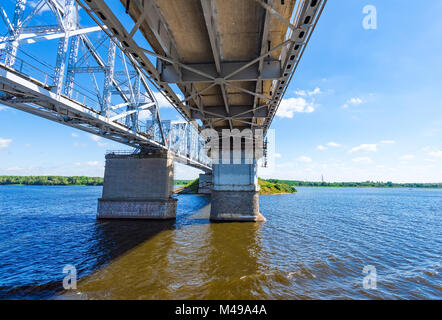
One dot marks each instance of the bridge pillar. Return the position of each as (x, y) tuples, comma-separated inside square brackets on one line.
[(138, 187), (235, 193), (205, 183)]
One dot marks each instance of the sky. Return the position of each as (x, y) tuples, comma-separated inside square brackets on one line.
[(364, 104)]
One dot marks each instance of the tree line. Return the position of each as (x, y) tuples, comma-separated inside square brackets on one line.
[(51, 180), (60, 181), (365, 184)]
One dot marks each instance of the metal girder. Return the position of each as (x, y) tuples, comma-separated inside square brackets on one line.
[(235, 112), (265, 29), (301, 31), (104, 17), (11, 48), (49, 105), (208, 7), (6, 20), (25, 92), (70, 74), (32, 38), (269, 71), (69, 24), (109, 72)]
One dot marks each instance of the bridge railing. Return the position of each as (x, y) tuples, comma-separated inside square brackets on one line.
[(33, 70)]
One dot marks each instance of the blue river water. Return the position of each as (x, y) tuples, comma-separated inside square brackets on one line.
[(314, 245)]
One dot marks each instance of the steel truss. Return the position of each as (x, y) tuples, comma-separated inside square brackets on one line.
[(170, 69), (119, 105)]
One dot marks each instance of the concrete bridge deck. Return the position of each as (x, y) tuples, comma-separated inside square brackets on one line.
[(232, 60)]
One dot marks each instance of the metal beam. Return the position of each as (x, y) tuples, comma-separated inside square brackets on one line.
[(269, 71), (235, 112), (208, 7)]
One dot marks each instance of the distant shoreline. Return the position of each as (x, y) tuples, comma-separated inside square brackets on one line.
[(98, 181)]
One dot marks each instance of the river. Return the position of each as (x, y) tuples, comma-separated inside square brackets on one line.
[(314, 245)]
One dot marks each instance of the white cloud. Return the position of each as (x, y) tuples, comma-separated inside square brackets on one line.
[(98, 140), (43, 9), (102, 144), (353, 102), (305, 159), (163, 102), (290, 106), (15, 169), (304, 93), (75, 135), (362, 160), (315, 92), (277, 155), (2, 108), (4, 143), (94, 163), (436, 154), (321, 147), (89, 164), (78, 145), (388, 142), (333, 144), (365, 147), (407, 157)]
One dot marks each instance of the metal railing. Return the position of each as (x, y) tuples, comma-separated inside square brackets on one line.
[(46, 78)]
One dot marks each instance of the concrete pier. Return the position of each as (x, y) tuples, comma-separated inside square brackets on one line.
[(205, 183), (235, 193), (138, 187)]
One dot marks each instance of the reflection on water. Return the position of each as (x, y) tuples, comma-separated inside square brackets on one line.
[(220, 261), (314, 244)]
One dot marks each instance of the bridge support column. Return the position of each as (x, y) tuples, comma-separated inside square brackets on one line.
[(205, 183), (235, 193), (138, 187)]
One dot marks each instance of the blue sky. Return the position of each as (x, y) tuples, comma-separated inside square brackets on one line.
[(363, 105)]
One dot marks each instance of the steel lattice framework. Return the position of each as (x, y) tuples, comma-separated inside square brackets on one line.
[(118, 105), (259, 78)]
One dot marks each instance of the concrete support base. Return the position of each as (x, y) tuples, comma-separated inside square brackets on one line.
[(138, 187), (235, 206), (235, 193), (137, 209), (205, 184)]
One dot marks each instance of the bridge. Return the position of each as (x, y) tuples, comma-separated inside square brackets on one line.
[(224, 65)]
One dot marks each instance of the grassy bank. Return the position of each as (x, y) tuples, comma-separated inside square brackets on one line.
[(266, 187)]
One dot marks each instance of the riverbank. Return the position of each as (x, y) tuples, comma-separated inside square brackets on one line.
[(270, 185), (266, 187), (60, 181)]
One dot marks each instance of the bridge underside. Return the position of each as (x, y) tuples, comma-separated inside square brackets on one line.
[(215, 43), (232, 61)]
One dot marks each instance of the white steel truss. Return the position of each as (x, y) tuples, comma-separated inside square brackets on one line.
[(118, 104)]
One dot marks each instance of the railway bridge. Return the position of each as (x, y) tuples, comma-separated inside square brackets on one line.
[(224, 65)]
